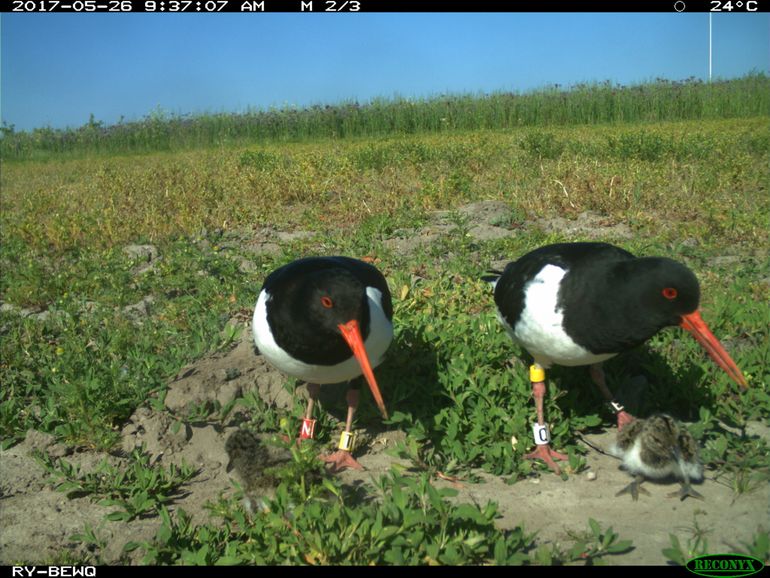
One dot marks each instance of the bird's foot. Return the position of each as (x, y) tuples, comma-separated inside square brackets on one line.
[(340, 460), (684, 491), (633, 488), (545, 453), (624, 418)]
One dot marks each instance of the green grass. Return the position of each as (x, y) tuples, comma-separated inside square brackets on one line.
[(709, 177), (87, 366), (693, 190), (597, 103)]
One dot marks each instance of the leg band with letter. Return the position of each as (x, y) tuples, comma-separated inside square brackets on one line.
[(542, 434), (308, 429), (347, 440)]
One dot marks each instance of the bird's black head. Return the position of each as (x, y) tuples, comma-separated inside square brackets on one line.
[(333, 297), (666, 289), (624, 305), (667, 293)]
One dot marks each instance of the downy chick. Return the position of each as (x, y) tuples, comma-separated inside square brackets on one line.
[(250, 458), (656, 448)]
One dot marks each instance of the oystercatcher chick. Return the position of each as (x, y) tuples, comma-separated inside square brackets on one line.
[(254, 463), (326, 320), (583, 303), (655, 448)]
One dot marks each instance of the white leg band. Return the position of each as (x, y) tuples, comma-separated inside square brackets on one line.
[(542, 434)]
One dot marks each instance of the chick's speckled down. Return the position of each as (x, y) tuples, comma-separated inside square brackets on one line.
[(253, 462), (656, 448)]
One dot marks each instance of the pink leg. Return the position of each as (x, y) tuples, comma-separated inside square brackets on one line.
[(308, 424), (543, 451), (313, 389), (597, 374), (342, 459)]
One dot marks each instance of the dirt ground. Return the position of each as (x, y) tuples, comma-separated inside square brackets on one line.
[(37, 522)]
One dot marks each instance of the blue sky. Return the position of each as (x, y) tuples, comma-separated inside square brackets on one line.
[(57, 69)]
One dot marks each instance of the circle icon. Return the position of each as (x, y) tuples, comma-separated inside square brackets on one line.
[(679, 6)]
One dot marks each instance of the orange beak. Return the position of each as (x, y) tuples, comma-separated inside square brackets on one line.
[(693, 323), (352, 335)]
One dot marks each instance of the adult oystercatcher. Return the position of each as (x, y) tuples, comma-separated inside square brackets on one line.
[(326, 320), (658, 447), (583, 303)]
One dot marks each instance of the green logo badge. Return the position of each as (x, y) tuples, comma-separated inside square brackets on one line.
[(720, 565)]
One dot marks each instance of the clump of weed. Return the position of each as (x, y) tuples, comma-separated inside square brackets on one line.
[(542, 145), (138, 489)]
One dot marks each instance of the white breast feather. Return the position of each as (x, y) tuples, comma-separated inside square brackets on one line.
[(693, 470), (632, 460), (540, 327)]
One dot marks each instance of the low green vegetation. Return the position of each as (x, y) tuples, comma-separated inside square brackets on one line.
[(136, 490), (697, 544), (707, 178), (313, 519)]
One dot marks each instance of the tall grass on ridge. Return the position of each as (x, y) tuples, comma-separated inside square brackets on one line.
[(660, 100)]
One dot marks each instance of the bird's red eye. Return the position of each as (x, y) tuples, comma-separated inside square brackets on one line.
[(669, 293), (326, 302)]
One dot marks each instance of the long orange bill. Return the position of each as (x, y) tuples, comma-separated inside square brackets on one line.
[(693, 323), (352, 335)]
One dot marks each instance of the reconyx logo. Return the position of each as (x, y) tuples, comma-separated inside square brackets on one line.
[(725, 565)]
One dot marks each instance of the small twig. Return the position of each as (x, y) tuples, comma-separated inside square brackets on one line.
[(566, 194), (453, 479)]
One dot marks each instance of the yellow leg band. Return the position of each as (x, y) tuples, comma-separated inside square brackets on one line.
[(347, 440), (536, 373)]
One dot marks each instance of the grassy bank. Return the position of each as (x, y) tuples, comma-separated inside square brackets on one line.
[(586, 104), (710, 177)]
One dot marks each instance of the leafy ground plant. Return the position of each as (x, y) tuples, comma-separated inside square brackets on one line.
[(403, 519), (411, 522), (698, 545), (589, 547), (137, 489)]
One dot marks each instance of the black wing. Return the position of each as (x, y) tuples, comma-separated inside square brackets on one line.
[(509, 291)]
